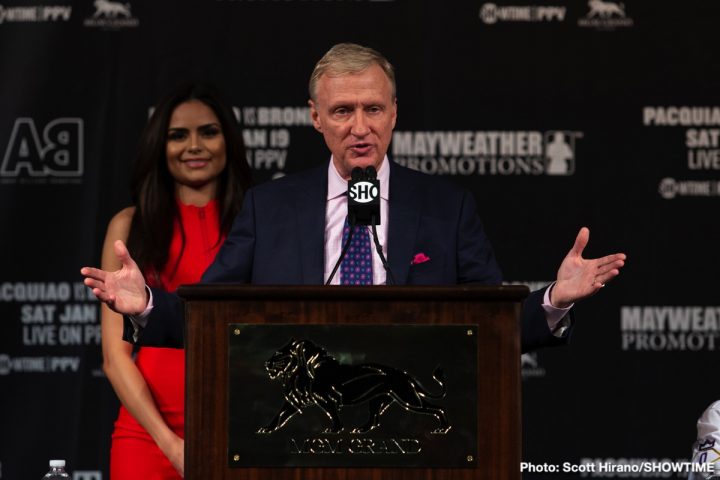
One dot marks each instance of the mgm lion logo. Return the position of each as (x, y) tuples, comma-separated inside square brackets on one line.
[(310, 376), (109, 9), (602, 9)]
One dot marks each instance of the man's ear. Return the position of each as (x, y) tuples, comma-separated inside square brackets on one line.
[(314, 116), (394, 112)]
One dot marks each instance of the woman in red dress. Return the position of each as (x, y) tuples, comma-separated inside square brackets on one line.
[(188, 182)]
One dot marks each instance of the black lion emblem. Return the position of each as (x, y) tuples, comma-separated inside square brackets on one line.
[(312, 377)]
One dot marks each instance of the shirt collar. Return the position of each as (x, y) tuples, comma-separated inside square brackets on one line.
[(337, 186)]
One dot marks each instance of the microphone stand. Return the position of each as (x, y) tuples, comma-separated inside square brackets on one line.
[(345, 248), (378, 247)]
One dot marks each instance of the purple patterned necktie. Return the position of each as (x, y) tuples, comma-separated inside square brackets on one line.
[(356, 267)]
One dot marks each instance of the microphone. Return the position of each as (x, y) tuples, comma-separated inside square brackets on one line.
[(363, 210), (364, 196)]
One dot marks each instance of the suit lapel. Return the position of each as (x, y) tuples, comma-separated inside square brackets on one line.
[(404, 220), (310, 217)]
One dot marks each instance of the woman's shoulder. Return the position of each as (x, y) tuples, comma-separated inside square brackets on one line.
[(120, 223)]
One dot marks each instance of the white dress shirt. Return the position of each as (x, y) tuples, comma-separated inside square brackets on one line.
[(335, 213)]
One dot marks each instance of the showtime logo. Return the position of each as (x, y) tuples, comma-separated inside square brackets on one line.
[(35, 14), (10, 364), (363, 192), (57, 153), (653, 328), (491, 13), (487, 152), (670, 188)]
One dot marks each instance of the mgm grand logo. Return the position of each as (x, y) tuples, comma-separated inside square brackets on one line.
[(325, 445), (312, 378)]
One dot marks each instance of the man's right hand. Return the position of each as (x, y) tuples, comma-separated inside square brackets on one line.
[(123, 290)]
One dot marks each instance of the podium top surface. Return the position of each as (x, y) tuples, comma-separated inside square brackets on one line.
[(216, 291)]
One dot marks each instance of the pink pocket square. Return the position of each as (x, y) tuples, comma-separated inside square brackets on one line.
[(419, 258)]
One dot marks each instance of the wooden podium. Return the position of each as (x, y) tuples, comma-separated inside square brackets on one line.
[(493, 312)]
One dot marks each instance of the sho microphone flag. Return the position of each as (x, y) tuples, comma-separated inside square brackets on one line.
[(364, 197)]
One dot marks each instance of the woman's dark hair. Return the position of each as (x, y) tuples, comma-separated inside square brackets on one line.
[(153, 188)]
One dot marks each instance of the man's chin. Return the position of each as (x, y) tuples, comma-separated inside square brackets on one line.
[(366, 161), (362, 162)]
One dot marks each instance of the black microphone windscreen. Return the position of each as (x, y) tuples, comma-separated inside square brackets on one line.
[(357, 174)]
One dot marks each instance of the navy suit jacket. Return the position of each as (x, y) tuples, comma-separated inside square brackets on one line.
[(279, 236)]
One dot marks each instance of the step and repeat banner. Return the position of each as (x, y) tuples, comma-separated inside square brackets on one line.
[(555, 115)]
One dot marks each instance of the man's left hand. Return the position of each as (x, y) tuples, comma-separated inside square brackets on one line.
[(580, 277)]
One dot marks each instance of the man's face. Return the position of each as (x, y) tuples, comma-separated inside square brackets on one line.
[(356, 114)]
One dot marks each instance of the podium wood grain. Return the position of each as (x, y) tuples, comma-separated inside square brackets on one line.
[(210, 308)]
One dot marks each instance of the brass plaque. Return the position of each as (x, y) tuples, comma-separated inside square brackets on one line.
[(352, 395)]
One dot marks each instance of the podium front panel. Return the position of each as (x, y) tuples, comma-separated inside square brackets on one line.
[(352, 395), (210, 311)]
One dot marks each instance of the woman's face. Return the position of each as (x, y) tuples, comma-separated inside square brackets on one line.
[(195, 147)]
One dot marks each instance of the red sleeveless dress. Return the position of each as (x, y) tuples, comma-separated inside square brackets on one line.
[(133, 454)]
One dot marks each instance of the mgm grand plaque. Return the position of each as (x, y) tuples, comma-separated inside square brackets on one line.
[(352, 395)]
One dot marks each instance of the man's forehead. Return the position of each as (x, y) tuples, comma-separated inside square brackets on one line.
[(358, 97), (372, 74), (355, 88)]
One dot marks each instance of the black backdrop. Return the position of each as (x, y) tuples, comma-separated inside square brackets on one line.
[(554, 114)]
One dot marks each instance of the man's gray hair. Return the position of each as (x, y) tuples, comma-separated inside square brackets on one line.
[(346, 58)]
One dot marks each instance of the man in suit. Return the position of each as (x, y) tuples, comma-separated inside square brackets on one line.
[(290, 231)]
